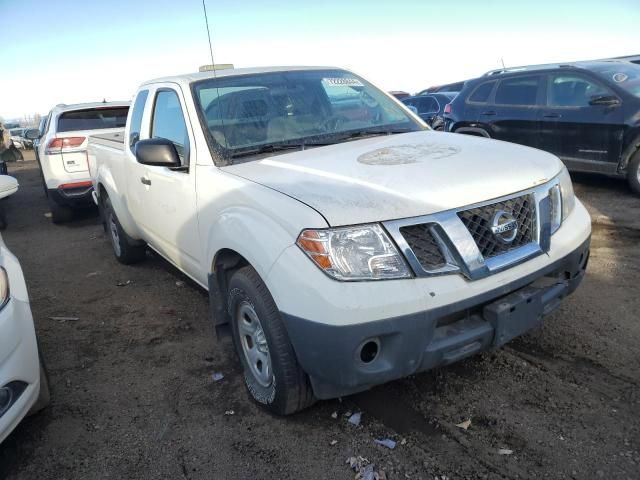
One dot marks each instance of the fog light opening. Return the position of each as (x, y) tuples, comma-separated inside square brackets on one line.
[(5, 399), (369, 351)]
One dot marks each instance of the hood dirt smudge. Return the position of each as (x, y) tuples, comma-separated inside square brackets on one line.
[(404, 154)]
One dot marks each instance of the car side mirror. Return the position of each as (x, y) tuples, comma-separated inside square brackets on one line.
[(32, 134), (605, 100), (158, 152)]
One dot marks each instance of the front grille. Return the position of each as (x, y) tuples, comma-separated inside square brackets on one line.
[(424, 245), (479, 222)]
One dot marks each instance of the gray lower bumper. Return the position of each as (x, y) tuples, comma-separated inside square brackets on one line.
[(424, 340)]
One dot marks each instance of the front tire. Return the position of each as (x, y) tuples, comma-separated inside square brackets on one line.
[(272, 374), (633, 173), (124, 248)]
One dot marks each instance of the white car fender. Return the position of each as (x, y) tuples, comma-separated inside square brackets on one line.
[(18, 287), (104, 182), (252, 220)]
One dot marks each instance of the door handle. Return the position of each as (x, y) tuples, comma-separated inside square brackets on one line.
[(489, 112), (145, 180), (552, 115)]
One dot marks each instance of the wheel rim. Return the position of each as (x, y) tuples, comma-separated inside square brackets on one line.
[(254, 344), (638, 172), (115, 238)]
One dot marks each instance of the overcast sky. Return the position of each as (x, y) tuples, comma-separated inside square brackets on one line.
[(78, 51)]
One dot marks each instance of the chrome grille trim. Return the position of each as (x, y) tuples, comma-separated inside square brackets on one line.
[(478, 222), (459, 246), (424, 243)]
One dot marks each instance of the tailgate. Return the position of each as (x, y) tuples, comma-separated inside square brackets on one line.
[(75, 161)]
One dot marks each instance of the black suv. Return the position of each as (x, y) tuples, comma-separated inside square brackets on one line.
[(587, 113)]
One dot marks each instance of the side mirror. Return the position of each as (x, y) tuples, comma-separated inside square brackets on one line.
[(605, 100), (32, 134), (158, 152)]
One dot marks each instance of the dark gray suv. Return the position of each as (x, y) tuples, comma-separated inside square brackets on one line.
[(587, 113)]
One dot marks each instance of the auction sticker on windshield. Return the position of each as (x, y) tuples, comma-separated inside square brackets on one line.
[(345, 82)]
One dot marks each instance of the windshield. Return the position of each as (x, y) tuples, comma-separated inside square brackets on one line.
[(625, 75), (250, 114)]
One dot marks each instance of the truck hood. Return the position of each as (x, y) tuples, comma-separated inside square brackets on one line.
[(400, 176)]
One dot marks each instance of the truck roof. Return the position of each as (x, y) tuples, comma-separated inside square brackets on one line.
[(195, 76)]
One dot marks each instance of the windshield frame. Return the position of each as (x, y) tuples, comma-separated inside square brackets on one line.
[(222, 156)]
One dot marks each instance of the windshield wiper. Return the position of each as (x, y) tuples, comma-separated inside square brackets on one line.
[(381, 131), (269, 148), (278, 147)]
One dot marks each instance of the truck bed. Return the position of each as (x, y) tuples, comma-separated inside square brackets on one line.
[(112, 140), (106, 150)]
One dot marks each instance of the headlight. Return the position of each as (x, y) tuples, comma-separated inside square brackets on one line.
[(354, 253), (562, 199), (4, 287)]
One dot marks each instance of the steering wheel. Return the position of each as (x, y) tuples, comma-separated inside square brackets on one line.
[(368, 100), (333, 123)]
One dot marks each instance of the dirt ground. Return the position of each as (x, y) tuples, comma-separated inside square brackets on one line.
[(133, 395)]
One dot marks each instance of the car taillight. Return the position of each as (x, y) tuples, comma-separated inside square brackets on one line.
[(447, 108), (57, 145)]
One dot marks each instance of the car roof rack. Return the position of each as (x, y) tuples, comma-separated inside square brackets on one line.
[(525, 68)]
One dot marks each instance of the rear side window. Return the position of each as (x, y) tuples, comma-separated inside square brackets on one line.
[(136, 118), (482, 92), (427, 105), (47, 124), (93, 119), (518, 91), (168, 121)]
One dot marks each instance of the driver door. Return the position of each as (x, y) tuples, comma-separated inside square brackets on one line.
[(170, 193), (585, 136)]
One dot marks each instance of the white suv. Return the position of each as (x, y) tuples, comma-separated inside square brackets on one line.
[(61, 152)]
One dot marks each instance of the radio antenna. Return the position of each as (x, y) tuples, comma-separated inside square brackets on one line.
[(206, 21), (215, 76)]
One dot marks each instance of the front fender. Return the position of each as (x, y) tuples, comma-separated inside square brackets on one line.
[(259, 237), (240, 217)]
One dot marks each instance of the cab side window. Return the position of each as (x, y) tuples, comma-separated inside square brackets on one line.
[(136, 119), (573, 91), (168, 122)]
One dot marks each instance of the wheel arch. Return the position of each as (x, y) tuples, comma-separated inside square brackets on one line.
[(106, 187), (475, 131), (225, 262), (632, 149)]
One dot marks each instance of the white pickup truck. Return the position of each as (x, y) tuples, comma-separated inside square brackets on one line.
[(344, 242)]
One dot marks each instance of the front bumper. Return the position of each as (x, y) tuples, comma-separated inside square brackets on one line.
[(416, 342), (19, 362)]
